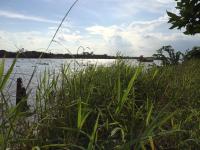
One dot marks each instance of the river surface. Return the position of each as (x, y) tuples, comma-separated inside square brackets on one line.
[(25, 67)]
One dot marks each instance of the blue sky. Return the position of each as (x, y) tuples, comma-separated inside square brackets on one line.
[(132, 27)]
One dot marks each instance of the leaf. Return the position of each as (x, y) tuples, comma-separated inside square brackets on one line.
[(1, 139), (149, 113), (151, 143), (117, 129), (36, 148), (172, 15), (6, 77), (127, 91), (155, 73), (79, 114), (2, 69), (114, 131), (92, 138)]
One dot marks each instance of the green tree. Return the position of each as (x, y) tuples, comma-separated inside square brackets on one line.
[(188, 17), (193, 54), (168, 56)]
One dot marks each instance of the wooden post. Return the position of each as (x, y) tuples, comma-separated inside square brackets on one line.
[(21, 93)]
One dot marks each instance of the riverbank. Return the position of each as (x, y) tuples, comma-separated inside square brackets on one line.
[(84, 55), (114, 107)]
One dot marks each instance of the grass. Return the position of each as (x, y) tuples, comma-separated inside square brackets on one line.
[(115, 107)]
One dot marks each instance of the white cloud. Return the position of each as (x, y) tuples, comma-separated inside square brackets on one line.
[(15, 15), (133, 38), (137, 38), (127, 8), (69, 37), (34, 40), (143, 37), (29, 40)]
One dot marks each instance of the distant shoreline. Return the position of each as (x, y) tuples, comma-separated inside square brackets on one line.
[(42, 55)]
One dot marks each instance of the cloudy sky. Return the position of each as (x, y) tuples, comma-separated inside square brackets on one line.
[(132, 27)]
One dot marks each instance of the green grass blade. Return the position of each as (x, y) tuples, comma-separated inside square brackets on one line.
[(6, 77), (2, 64), (92, 137), (127, 91)]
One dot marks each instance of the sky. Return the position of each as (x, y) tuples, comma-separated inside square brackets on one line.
[(128, 27)]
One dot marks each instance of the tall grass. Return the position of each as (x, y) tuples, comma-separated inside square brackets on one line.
[(115, 107)]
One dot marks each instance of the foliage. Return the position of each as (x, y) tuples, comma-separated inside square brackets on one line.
[(193, 54), (114, 107), (188, 17), (168, 56)]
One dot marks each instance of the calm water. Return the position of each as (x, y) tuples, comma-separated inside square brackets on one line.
[(25, 67)]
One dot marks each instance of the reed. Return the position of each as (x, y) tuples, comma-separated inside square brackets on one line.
[(114, 107)]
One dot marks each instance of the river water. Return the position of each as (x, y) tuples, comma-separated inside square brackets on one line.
[(25, 67)]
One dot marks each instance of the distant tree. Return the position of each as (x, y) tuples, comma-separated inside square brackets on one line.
[(21, 50), (193, 54), (168, 56), (188, 17)]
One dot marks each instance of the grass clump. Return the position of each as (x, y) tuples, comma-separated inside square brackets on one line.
[(115, 107)]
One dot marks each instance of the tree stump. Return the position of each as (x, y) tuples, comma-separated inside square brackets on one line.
[(21, 94)]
